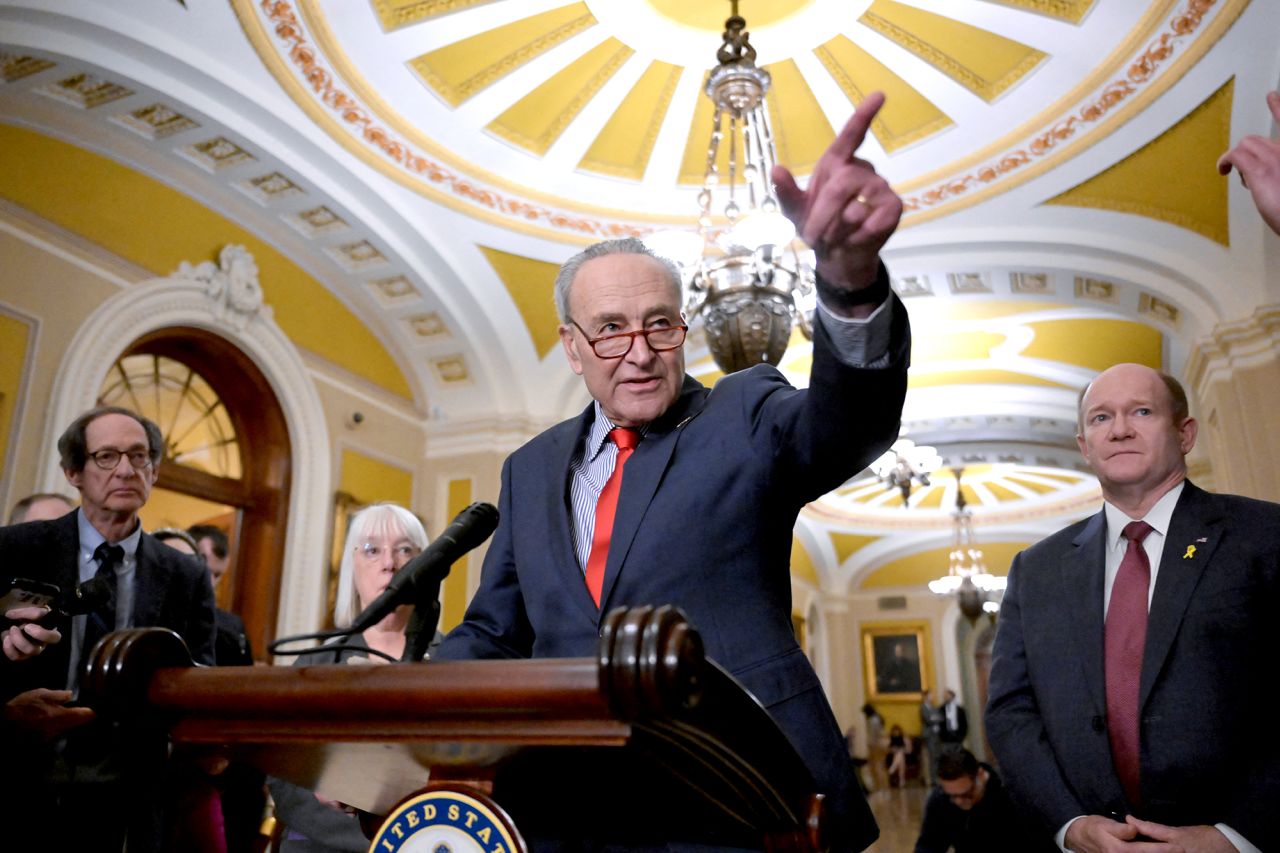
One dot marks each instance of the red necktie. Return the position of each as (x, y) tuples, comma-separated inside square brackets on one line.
[(606, 509), (1125, 637)]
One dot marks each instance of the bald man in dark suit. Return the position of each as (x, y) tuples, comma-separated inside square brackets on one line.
[(1135, 656)]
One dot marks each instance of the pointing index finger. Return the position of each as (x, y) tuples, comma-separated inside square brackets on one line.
[(855, 129)]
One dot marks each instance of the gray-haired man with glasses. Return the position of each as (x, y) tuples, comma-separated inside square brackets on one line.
[(666, 492), (69, 795)]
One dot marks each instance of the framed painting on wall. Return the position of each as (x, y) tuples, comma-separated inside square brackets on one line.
[(895, 660)]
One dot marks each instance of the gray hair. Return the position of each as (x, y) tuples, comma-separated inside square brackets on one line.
[(625, 246), (391, 520), (73, 450)]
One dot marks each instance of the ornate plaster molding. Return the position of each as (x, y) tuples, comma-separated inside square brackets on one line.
[(224, 299)]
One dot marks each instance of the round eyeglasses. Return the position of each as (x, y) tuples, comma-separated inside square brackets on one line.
[(373, 552), (108, 458), (616, 346)]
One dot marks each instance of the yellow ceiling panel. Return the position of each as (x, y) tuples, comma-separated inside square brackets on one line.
[(459, 70), (1001, 494), (978, 377), (1038, 488), (801, 563), (693, 165), (1063, 476), (156, 227), (531, 284), (981, 61), (1096, 344), (536, 121), (954, 345), (1071, 11), (920, 568), (393, 14), (623, 147), (932, 498), (711, 16), (801, 131), (907, 115), (848, 543), (1172, 178)]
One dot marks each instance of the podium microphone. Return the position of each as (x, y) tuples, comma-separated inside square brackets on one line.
[(471, 527)]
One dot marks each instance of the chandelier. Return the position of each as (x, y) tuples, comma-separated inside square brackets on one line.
[(967, 577), (905, 463), (741, 271)]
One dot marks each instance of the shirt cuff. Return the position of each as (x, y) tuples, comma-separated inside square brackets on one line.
[(859, 342), (1241, 843), (1061, 838)]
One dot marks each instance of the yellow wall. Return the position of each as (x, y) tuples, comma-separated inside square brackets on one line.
[(157, 228), (13, 356), (454, 594), (370, 480)]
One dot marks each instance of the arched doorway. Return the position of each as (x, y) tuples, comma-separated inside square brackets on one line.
[(227, 459), (219, 308)]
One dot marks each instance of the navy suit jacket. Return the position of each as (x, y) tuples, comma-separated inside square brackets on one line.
[(704, 522), (1208, 671), (171, 590)]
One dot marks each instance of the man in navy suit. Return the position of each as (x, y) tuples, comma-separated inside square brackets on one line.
[(1146, 730), (712, 490), (67, 799)]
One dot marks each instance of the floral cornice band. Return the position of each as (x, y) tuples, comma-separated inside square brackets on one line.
[(1142, 77), (281, 37)]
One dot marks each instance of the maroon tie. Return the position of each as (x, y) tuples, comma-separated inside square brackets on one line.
[(606, 509), (1125, 637)]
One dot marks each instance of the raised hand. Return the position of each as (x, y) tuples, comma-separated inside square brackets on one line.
[(847, 212), (1257, 159)]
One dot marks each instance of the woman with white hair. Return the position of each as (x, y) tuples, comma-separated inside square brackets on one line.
[(381, 539)]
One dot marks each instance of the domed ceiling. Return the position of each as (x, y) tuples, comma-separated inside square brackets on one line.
[(587, 119), (429, 163)]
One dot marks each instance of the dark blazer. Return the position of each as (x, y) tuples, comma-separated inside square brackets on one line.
[(993, 825), (1207, 674), (956, 735), (704, 522), (231, 644), (172, 590)]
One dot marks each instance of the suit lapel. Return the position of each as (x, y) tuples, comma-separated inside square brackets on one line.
[(642, 476), (150, 581), (1082, 583), (66, 544), (67, 536), (1195, 530), (559, 518)]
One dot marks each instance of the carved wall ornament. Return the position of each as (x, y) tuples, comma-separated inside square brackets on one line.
[(231, 285)]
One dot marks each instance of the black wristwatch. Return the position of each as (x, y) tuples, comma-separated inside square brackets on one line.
[(839, 298)]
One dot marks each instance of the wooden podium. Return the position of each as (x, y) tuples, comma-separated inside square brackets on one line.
[(649, 742)]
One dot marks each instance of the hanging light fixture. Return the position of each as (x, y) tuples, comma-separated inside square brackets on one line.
[(741, 270), (905, 463), (967, 577)]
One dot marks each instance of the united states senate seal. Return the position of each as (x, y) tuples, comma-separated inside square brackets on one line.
[(446, 821)]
